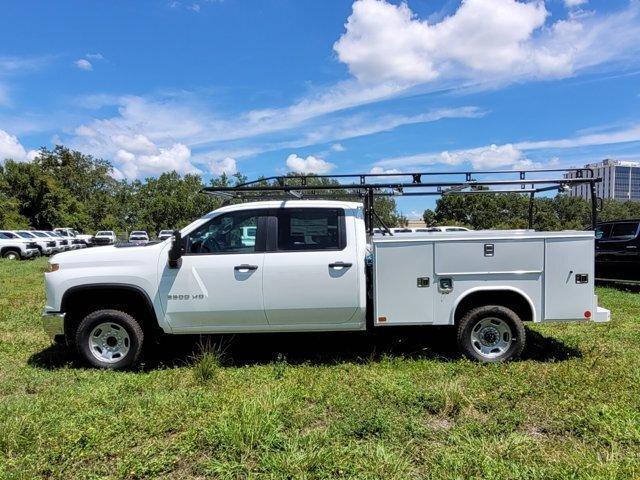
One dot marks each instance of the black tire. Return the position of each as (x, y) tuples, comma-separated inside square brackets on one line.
[(482, 334), (129, 344), (11, 254)]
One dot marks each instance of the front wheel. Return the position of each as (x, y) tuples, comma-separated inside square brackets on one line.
[(491, 333), (109, 339), (11, 255)]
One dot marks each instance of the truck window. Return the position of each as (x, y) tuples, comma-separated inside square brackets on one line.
[(311, 229), (603, 232), (624, 230), (225, 234)]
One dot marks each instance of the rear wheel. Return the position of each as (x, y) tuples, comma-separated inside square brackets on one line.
[(11, 255), (491, 333), (109, 339)]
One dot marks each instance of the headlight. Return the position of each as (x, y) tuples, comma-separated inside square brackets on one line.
[(54, 267)]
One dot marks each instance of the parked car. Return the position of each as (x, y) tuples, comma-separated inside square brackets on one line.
[(306, 271), (46, 246), (139, 236), (617, 250), (105, 237), (72, 243), (80, 238), (51, 238), (14, 247), (164, 234), (62, 242)]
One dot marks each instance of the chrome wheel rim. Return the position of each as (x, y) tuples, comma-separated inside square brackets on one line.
[(491, 337), (109, 342), (11, 256)]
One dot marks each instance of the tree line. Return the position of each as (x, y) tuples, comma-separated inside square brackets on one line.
[(511, 210), (66, 188)]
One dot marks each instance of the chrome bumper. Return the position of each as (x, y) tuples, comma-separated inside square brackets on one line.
[(53, 324)]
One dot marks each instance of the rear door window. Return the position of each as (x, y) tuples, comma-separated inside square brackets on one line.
[(309, 229)]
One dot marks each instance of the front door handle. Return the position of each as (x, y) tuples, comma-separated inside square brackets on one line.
[(246, 267), (340, 265)]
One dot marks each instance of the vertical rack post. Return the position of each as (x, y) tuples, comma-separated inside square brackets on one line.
[(531, 198), (594, 204), (369, 210)]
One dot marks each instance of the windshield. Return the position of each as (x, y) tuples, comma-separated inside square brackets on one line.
[(166, 232), (25, 234), (139, 233), (9, 235), (104, 234)]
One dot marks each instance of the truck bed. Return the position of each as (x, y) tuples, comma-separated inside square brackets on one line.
[(552, 271)]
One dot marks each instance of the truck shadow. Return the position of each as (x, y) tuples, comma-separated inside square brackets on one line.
[(310, 348)]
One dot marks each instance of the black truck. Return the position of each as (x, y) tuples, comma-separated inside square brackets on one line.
[(618, 251)]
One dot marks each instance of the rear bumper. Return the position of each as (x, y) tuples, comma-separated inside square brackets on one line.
[(602, 315), (53, 324)]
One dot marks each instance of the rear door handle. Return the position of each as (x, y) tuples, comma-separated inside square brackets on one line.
[(246, 267), (340, 265)]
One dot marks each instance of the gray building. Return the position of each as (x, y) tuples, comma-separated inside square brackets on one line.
[(620, 180)]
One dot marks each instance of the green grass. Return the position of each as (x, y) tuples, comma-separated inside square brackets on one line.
[(402, 405)]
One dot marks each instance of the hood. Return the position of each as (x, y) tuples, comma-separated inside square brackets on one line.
[(108, 254)]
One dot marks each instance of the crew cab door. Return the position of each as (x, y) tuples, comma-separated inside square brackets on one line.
[(310, 268), (218, 285)]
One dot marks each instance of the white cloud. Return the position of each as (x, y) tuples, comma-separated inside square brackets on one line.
[(145, 123), (310, 164), (574, 3), (484, 41), (626, 135), (337, 147), (11, 148), (177, 157), (380, 170), (83, 64), (94, 56), (486, 157), (137, 143), (227, 165), (512, 155)]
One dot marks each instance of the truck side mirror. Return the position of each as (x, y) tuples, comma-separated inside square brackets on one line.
[(176, 251)]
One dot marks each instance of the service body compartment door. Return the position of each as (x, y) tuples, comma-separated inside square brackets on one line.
[(403, 283), (568, 278)]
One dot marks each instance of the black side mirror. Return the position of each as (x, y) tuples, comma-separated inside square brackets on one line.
[(176, 251)]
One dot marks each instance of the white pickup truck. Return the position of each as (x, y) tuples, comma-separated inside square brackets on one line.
[(310, 268)]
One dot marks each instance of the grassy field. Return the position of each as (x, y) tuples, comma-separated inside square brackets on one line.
[(399, 405)]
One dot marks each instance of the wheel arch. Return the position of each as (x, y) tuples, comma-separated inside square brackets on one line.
[(506, 296), (80, 300)]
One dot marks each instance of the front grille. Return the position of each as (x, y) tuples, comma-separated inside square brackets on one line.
[(32, 245), (64, 242), (76, 242), (51, 244)]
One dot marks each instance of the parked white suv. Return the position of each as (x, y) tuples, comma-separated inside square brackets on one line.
[(105, 237), (139, 236), (164, 234), (80, 239), (45, 246), (14, 247)]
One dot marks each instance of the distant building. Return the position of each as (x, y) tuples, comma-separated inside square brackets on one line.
[(620, 180)]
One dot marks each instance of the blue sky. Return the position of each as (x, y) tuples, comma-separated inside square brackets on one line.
[(322, 86)]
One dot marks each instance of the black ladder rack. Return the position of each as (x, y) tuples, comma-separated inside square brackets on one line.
[(367, 186)]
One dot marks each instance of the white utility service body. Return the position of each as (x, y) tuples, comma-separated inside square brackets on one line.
[(541, 267), (314, 276)]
